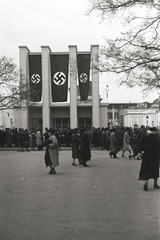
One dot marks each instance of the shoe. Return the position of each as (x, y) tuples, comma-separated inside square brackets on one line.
[(52, 172), (156, 186), (145, 187), (123, 156), (73, 164), (130, 157), (110, 155), (85, 165)]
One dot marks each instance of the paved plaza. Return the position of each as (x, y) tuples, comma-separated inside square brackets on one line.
[(104, 201)]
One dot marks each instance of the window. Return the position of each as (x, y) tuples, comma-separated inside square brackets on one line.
[(61, 123), (85, 122), (36, 123)]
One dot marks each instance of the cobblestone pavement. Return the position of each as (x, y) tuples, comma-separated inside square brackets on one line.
[(104, 201)]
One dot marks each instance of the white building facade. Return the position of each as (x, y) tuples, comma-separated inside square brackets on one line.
[(142, 116), (73, 112), (6, 119)]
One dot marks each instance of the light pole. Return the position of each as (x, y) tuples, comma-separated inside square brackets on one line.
[(107, 92)]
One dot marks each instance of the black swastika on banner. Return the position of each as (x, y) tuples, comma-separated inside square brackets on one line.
[(35, 78), (59, 78), (83, 77)]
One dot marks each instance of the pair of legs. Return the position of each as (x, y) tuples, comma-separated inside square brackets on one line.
[(130, 152), (84, 162), (52, 170), (137, 156), (20, 148), (155, 184), (113, 155), (73, 163)]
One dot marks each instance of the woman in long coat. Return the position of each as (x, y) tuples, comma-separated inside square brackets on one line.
[(75, 146), (52, 152), (150, 159), (39, 140), (85, 147), (114, 144), (127, 143)]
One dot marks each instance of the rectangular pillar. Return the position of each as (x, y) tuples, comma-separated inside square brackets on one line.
[(46, 81), (24, 80), (95, 86), (73, 86)]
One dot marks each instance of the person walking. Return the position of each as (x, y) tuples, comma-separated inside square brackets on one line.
[(135, 147), (33, 139), (85, 147), (75, 146), (150, 159), (8, 137), (39, 140), (52, 152), (46, 136), (26, 140), (20, 140), (127, 144), (103, 139), (114, 144), (107, 139)]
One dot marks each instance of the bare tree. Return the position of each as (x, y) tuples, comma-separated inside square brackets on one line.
[(135, 54), (12, 92)]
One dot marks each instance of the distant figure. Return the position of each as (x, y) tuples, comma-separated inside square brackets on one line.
[(39, 140), (20, 140), (52, 152), (75, 146), (33, 139), (85, 147), (46, 136), (114, 144), (127, 144), (26, 140)]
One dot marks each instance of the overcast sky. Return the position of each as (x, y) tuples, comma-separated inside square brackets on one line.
[(58, 24)]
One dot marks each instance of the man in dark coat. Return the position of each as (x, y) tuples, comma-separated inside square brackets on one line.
[(114, 144), (75, 146), (85, 147), (150, 159)]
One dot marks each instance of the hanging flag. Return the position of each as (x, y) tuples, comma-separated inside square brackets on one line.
[(83, 62), (35, 76), (59, 77)]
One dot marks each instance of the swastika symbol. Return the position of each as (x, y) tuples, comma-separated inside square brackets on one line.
[(59, 78), (83, 77), (35, 78)]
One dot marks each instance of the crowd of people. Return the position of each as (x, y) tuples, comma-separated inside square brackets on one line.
[(112, 139), (141, 143)]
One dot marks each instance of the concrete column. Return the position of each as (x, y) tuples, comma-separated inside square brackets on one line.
[(24, 79), (73, 85), (95, 86), (46, 80)]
